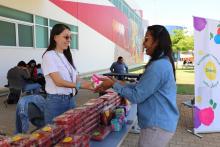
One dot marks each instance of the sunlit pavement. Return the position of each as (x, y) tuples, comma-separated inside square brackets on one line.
[(182, 138)]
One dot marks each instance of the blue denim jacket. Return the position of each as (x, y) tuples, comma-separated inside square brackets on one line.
[(155, 96), (22, 119)]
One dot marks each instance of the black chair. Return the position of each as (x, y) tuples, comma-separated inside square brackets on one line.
[(13, 96)]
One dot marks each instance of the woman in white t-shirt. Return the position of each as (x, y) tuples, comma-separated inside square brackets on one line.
[(62, 81)]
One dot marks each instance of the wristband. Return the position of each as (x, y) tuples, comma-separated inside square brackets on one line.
[(78, 85)]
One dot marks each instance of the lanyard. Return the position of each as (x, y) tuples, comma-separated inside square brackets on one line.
[(69, 71)]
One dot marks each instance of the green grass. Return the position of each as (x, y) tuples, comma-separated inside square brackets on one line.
[(184, 80)]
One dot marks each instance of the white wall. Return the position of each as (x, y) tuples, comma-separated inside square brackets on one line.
[(9, 57), (95, 51)]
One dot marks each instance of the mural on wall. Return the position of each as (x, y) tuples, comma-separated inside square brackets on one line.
[(110, 22), (207, 68)]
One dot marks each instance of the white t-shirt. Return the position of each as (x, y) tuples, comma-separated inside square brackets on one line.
[(56, 62)]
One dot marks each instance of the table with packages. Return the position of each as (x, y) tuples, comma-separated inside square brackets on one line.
[(115, 139)]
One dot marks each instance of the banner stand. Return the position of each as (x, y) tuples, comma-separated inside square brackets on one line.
[(189, 104), (192, 132), (206, 108)]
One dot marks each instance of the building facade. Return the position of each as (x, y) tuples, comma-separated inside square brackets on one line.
[(102, 30)]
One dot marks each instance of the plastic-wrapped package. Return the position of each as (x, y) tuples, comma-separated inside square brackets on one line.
[(64, 119), (83, 111), (68, 129), (93, 116), (4, 141), (106, 116), (80, 130), (108, 96), (85, 140), (43, 138), (126, 109), (94, 106), (118, 101), (57, 132), (92, 121), (76, 117), (100, 133), (118, 123), (21, 140), (70, 141), (96, 79), (91, 128), (96, 101), (77, 112), (120, 111)]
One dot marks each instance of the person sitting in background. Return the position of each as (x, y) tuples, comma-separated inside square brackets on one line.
[(40, 77), (18, 77), (119, 67), (39, 70), (33, 70)]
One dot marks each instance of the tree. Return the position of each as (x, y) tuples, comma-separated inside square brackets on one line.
[(181, 41)]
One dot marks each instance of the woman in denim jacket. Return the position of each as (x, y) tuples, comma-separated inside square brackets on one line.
[(155, 92)]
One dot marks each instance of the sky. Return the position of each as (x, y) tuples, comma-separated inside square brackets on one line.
[(178, 12)]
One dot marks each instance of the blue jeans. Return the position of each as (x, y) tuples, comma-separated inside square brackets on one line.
[(22, 112), (56, 105), (32, 87)]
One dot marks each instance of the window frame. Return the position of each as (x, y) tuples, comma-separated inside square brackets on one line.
[(16, 22), (34, 37), (33, 24)]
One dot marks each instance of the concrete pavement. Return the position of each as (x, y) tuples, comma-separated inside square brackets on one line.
[(181, 138)]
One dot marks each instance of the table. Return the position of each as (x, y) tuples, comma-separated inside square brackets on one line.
[(126, 75), (115, 139)]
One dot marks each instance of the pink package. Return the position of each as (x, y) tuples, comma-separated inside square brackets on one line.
[(96, 79)]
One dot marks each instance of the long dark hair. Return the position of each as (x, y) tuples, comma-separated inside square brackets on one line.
[(164, 45), (56, 30)]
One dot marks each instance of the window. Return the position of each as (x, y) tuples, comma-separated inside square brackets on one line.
[(8, 34), (15, 21), (41, 21), (20, 29), (41, 31), (53, 22), (74, 41), (124, 7), (15, 14), (25, 35), (41, 37)]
